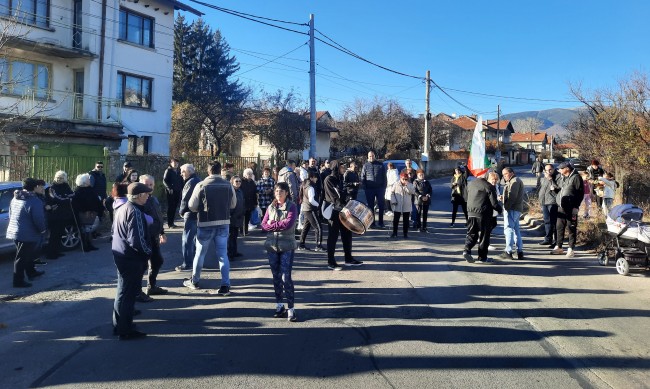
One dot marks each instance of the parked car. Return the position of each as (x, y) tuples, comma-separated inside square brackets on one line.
[(69, 240), (578, 164), (401, 164)]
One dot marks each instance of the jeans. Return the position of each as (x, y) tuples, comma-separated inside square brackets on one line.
[(550, 221), (129, 285), (371, 195), (281, 264), (204, 236), (511, 230), (188, 244)]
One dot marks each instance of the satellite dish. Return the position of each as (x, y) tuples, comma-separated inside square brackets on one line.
[(453, 115)]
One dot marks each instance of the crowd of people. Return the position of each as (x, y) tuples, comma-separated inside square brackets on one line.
[(224, 205)]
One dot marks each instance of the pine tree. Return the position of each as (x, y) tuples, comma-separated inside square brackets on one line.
[(204, 77)]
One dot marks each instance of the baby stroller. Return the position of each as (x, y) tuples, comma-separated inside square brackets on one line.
[(627, 240)]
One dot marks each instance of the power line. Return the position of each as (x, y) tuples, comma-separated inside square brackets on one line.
[(274, 59), (342, 49), (244, 16), (250, 15)]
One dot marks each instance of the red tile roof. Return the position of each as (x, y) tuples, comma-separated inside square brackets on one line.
[(466, 123), (502, 124), (566, 146), (528, 137)]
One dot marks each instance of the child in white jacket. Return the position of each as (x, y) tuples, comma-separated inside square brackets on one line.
[(609, 190)]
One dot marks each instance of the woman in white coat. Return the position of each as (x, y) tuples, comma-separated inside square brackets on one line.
[(392, 177), (401, 202)]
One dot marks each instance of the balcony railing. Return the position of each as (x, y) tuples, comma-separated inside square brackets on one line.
[(63, 105)]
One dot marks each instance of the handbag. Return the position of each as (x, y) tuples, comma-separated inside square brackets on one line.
[(327, 211)]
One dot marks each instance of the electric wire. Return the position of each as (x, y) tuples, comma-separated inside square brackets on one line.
[(250, 15), (234, 13), (274, 59)]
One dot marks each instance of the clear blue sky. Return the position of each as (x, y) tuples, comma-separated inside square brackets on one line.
[(509, 48)]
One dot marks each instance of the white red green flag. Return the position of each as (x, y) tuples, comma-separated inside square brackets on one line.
[(478, 162)]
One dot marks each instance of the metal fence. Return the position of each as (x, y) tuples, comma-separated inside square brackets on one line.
[(16, 168)]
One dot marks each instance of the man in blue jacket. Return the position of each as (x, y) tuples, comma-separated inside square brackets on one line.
[(131, 251), (373, 178), (26, 228)]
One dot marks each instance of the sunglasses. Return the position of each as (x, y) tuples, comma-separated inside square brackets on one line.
[(99, 167), (237, 182)]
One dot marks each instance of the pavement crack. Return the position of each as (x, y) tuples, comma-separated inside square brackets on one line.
[(366, 337)]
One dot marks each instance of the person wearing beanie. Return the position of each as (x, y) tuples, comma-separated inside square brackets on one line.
[(131, 251)]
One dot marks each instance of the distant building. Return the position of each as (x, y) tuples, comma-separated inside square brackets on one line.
[(252, 145)]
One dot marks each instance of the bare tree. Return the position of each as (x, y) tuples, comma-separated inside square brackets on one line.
[(615, 127), (20, 109), (528, 126), (275, 117), (380, 125)]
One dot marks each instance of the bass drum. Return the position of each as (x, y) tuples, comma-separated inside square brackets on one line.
[(360, 219)]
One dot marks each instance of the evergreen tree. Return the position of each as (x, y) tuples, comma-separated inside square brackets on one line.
[(204, 77)]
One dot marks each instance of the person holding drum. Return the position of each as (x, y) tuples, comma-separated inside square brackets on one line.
[(336, 197), (401, 201), (280, 223)]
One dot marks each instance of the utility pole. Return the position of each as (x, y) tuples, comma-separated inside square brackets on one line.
[(312, 90), (497, 152), (425, 152)]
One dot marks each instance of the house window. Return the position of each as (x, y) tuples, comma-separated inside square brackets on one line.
[(138, 145), (136, 28), (34, 12), (25, 77), (134, 91)]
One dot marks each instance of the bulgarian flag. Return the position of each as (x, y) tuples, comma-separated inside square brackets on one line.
[(478, 162)]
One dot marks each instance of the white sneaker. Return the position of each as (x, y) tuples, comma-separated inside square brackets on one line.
[(569, 253), (557, 251), (491, 248)]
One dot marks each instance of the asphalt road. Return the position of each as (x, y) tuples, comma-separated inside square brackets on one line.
[(414, 315)]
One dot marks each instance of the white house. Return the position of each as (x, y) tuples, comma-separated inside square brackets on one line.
[(94, 76), (253, 145)]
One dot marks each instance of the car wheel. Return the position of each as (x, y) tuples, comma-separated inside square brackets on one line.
[(70, 238)]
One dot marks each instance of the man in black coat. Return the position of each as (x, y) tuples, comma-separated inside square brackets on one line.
[(570, 195), (98, 180), (481, 204), (373, 179), (173, 188)]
